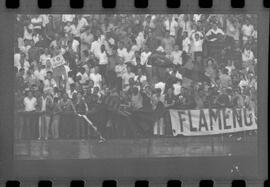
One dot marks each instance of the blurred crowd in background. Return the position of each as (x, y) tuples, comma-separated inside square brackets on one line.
[(110, 66)]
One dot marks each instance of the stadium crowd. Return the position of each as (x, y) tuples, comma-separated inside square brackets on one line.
[(110, 66)]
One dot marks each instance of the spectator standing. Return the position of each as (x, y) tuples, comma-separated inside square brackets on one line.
[(45, 103), (30, 103), (67, 118), (56, 111)]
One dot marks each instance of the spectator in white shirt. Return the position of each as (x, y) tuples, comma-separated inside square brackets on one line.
[(247, 31), (103, 60), (102, 56), (197, 47), (197, 17), (46, 102), (40, 72), (161, 85), (82, 23), (68, 17), (130, 56), (177, 88), (17, 59), (25, 47), (186, 42), (197, 43), (244, 82), (212, 34), (45, 56), (28, 32), (23, 63), (45, 19), (48, 66), (36, 37), (36, 22), (75, 45), (247, 57), (233, 29), (127, 75), (140, 40), (195, 31), (49, 82), (247, 54), (230, 67), (144, 56), (95, 47), (122, 51), (173, 26), (120, 70), (84, 75), (30, 102), (176, 55), (96, 77), (167, 24), (70, 28), (140, 77), (86, 40)]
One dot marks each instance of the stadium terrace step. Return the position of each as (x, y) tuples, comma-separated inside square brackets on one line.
[(206, 146)]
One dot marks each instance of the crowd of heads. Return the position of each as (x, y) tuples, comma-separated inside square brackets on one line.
[(185, 61)]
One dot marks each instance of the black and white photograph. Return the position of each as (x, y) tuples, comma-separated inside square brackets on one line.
[(95, 86)]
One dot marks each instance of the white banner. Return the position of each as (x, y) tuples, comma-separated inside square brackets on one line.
[(57, 61), (212, 121)]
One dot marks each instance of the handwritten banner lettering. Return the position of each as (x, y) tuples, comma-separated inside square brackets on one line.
[(212, 121)]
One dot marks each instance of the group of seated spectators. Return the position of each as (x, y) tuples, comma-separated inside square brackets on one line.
[(108, 66)]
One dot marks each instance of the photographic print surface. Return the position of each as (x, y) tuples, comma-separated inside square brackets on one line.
[(135, 86)]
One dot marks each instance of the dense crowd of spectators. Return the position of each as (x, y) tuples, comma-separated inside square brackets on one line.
[(68, 64)]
